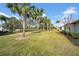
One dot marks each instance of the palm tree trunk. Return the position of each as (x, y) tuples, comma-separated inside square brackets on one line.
[(24, 27), (43, 27), (47, 26), (58, 26), (38, 26)]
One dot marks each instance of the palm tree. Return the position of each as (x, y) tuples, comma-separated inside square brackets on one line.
[(43, 22), (36, 14), (46, 23), (49, 23), (39, 16), (58, 21), (33, 13), (22, 10)]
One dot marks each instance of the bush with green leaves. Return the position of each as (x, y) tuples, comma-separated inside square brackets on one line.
[(74, 35), (12, 24)]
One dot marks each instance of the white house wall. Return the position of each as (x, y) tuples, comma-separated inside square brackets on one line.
[(74, 28), (77, 28)]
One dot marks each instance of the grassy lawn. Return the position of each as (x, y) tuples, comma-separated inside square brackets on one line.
[(43, 43)]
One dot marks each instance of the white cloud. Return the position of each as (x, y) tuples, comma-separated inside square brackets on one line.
[(71, 10), (1, 13), (66, 14), (15, 16)]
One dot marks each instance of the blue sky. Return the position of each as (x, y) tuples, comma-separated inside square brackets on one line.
[(52, 10)]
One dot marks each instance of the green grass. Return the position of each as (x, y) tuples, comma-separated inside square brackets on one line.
[(43, 43)]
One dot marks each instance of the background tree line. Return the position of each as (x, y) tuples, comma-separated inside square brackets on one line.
[(26, 12)]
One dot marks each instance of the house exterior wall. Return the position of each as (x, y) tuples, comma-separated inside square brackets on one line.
[(77, 28), (74, 28)]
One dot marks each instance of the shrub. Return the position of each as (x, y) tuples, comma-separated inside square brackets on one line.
[(5, 33), (74, 35), (64, 32)]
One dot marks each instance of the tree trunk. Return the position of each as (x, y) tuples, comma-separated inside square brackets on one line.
[(43, 27), (24, 27), (47, 26), (38, 26)]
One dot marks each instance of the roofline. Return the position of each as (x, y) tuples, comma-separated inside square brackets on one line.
[(75, 22)]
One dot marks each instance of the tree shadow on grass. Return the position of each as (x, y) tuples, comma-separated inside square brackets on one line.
[(3, 33), (6, 33), (33, 32)]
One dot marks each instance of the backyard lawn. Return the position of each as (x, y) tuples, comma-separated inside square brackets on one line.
[(43, 43)]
